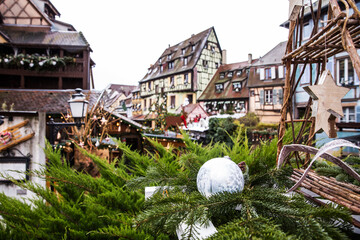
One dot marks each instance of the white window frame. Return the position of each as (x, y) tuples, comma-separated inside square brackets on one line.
[(268, 96), (347, 79), (348, 114)]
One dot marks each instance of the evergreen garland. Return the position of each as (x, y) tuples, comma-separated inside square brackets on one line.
[(35, 62), (112, 206)]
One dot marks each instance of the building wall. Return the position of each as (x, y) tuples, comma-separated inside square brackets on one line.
[(267, 111), (2, 40), (33, 146), (213, 56)]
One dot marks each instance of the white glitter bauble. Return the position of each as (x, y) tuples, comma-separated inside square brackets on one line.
[(219, 175)]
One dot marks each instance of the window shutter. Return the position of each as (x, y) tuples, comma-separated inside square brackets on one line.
[(262, 74), (273, 73), (274, 97), (262, 97), (281, 71), (280, 96)]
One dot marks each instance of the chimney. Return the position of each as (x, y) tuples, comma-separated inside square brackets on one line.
[(249, 58), (224, 56)]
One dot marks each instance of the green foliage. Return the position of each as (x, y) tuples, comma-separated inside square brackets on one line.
[(330, 170), (81, 207), (249, 120), (220, 130), (112, 206)]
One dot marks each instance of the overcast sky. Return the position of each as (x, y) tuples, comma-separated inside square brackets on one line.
[(126, 36)]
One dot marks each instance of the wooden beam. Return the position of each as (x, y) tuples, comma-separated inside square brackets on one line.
[(349, 44), (287, 91)]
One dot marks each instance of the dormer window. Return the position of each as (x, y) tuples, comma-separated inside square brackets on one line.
[(185, 61), (169, 57), (222, 75), (236, 86), (230, 74), (192, 48), (238, 73), (219, 87), (160, 60), (171, 65), (161, 68), (183, 51)]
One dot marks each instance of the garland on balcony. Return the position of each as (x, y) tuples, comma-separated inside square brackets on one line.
[(35, 62)]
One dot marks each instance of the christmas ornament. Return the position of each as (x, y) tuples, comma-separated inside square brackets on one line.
[(219, 175)]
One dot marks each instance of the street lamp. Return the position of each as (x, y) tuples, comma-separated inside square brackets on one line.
[(78, 107)]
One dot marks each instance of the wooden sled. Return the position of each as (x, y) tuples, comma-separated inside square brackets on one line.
[(16, 137)]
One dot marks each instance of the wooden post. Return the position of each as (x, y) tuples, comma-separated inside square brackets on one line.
[(287, 90)]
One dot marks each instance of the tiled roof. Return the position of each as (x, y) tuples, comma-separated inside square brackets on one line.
[(125, 89), (114, 91), (228, 93), (177, 56), (272, 58), (58, 38), (49, 101)]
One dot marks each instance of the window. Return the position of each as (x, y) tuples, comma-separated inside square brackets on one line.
[(159, 60), (190, 98), (186, 78), (267, 73), (307, 30), (156, 88), (216, 65), (161, 68), (345, 72), (237, 86), (144, 104), (192, 48), (213, 49), (222, 75), (349, 114), (185, 61), (182, 51), (172, 102), (268, 96), (238, 73), (219, 87), (205, 63), (230, 74), (149, 86), (172, 82), (206, 46), (150, 103), (169, 57), (171, 65)]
